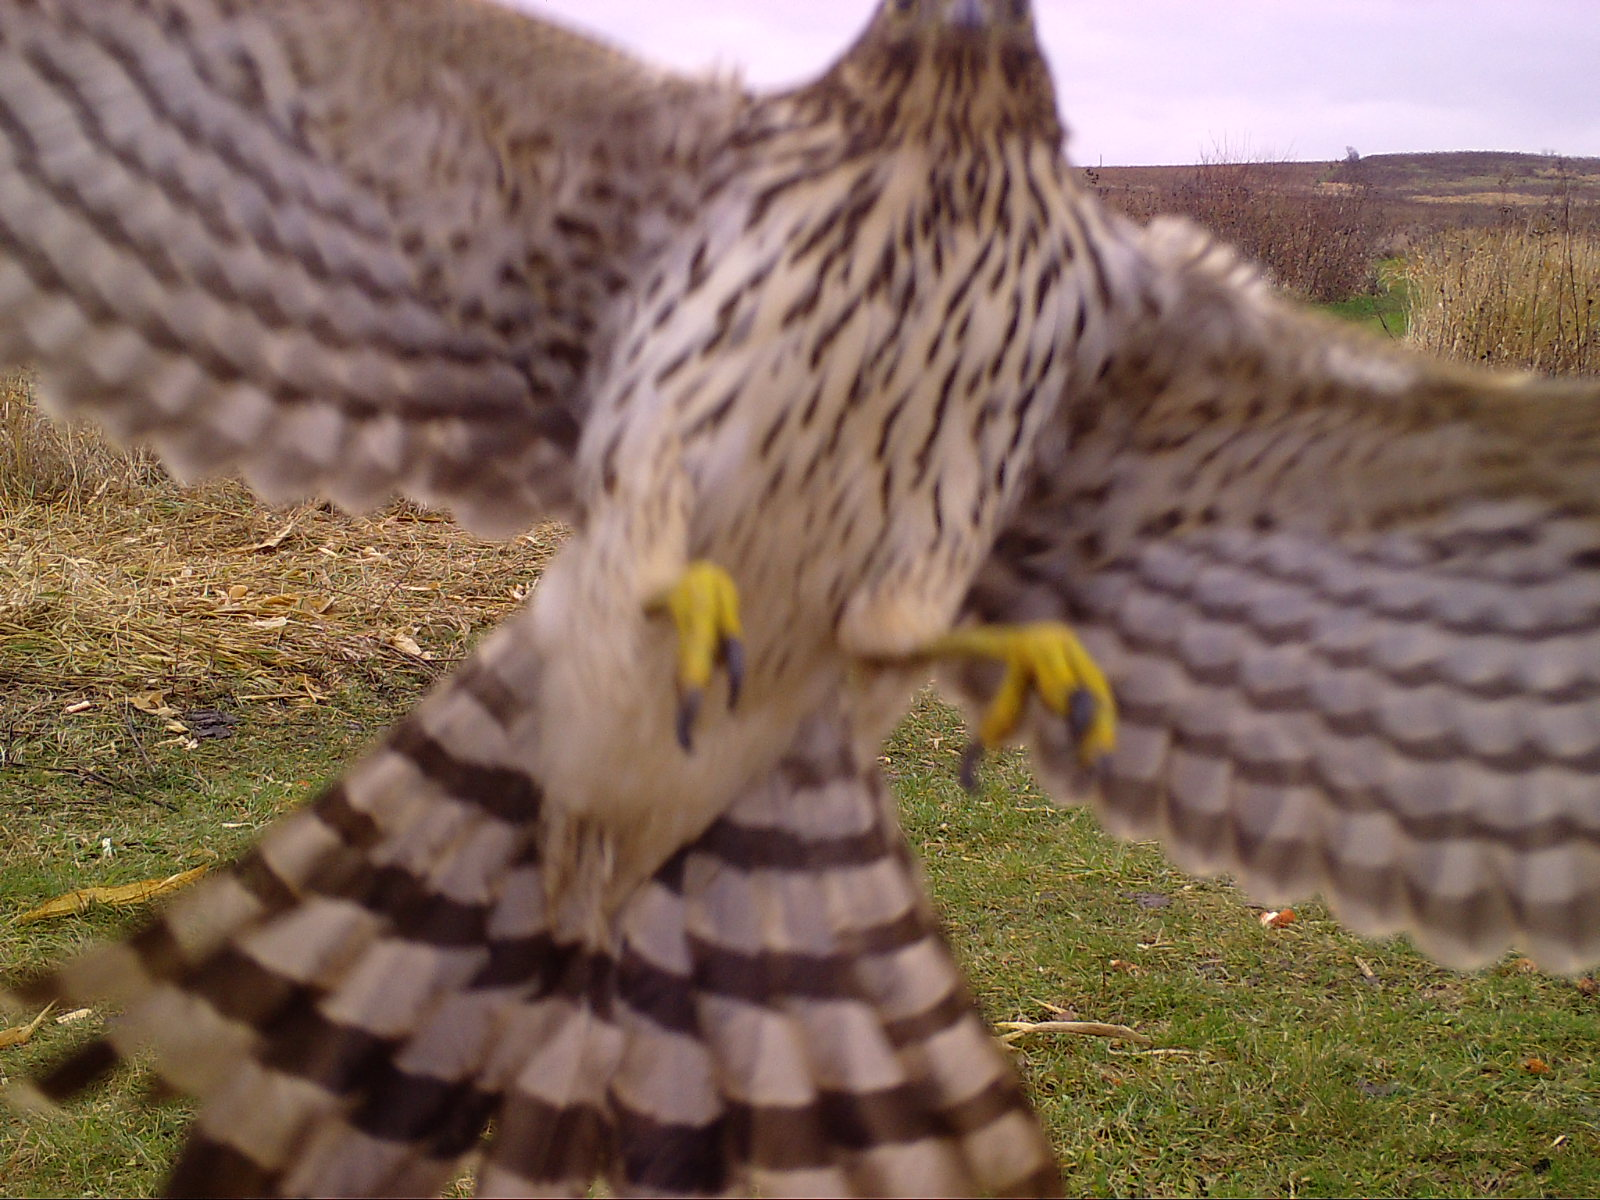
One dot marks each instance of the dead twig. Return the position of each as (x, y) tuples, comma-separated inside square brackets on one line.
[(1017, 1029), (13, 763)]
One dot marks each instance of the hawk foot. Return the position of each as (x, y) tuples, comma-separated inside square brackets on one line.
[(1047, 658), (704, 605)]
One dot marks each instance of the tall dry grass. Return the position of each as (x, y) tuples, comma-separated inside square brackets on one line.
[(43, 460), (1525, 293), (1521, 296)]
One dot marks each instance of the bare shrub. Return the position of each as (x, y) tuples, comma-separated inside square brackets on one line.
[(43, 460), (1523, 294), (1314, 229)]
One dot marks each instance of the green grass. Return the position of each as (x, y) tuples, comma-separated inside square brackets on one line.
[(1278, 1066), (148, 811), (1384, 311)]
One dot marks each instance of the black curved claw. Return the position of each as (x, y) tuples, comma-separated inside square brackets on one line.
[(1081, 711), (733, 663), (971, 760), (688, 710)]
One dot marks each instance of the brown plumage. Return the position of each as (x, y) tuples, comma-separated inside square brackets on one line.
[(865, 346)]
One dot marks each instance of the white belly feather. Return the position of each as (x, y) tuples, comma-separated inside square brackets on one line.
[(831, 428)]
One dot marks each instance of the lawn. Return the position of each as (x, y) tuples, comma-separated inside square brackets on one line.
[(1290, 1060)]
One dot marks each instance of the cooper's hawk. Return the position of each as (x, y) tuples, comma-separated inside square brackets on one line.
[(853, 366)]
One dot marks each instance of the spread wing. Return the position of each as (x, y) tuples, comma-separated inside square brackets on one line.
[(347, 248), (393, 968), (1349, 601)]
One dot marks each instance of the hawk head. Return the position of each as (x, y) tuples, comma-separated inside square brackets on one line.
[(946, 69)]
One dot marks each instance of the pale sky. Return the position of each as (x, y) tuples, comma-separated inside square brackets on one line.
[(1165, 81)]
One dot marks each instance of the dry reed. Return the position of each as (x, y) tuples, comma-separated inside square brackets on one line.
[(1518, 296)]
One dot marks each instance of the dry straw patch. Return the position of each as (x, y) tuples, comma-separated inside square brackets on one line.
[(42, 460), (127, 586)]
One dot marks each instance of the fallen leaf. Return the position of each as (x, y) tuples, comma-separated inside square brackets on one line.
[(294, 600), (1519, 966), (1278, 919), (20, 1035), (408, 645), (270, 623), (1126, 967), (1535, 1066), (120, 896), (77, 1014), (154, 703), (273, 542), (1587, 986)]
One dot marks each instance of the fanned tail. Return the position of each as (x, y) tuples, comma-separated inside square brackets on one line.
[(383, 978), (785, 982)]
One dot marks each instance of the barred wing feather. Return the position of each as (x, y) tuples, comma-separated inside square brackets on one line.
[(1349, 600), (345, 249)]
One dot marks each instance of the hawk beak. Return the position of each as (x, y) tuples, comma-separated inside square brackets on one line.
[(968, 15)]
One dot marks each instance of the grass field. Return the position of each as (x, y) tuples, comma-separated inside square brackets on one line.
[(1281, 1061), (1384, 311)]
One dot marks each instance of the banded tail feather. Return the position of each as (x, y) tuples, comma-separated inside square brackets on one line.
[(385, 976)]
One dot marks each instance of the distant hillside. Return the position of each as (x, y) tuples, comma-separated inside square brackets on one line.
[(1410, 193)]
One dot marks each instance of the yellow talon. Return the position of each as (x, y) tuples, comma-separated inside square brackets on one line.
[(704, 605), (1047, 658)]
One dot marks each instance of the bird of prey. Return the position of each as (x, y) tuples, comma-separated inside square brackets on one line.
[(838, 386)]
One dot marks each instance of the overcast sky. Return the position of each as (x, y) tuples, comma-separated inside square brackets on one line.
[(1165, 81)]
